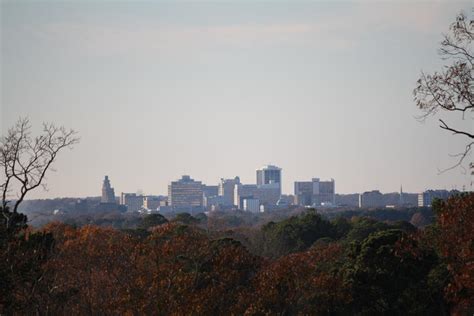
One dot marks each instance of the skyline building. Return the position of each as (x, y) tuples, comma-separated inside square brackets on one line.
[(371, 199), (108, 193), (215, 202), (185, 194), (251, 205), (266, 196), (210, 190), (132, 201), (303, 193), (426, 198), (231, 192), (152, 202), (269, 177), (315, 192), (401, 199), (324, 192), (244, 191), (227, 188)]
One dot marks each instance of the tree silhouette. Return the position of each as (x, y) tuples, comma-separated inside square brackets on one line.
[(451, 89), (25, 159)]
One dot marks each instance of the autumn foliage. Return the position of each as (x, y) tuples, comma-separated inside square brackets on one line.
[(456, 229), (185, 272), (309, 282), (357, 266)]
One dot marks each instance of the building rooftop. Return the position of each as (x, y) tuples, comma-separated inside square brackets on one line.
[(269, 167)]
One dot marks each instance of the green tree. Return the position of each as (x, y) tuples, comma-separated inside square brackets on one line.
[(387, 281), (362, 227), (152, 220), (185, 218), (295, 234)]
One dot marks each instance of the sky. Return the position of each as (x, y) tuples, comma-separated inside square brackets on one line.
[(218, 89)]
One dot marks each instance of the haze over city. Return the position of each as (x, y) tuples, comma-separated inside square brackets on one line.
[(216, 90)]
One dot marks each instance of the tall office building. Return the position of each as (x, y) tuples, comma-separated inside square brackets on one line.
[(315, 192), (324, 192), (269, 177), (185, 194), (108, 194), (227, 188), (304, 193)]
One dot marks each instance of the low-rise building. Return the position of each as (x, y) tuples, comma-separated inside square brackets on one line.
[(132, 201), (210, 190), (371, 199), (426, 198), (266, 195), (242, 191), (215, 202), (151, 202)]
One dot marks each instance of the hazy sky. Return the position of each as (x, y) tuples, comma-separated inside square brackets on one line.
[(217, 89)]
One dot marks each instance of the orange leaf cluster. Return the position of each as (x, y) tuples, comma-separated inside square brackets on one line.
[(456, 242)]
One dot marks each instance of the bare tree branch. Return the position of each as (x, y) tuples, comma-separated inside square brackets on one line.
[(452, 89), (446, 127), (461, 156), (25, 160)]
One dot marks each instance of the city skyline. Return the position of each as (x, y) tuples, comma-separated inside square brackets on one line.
[(218, 186), (158, 90), (187, 194)]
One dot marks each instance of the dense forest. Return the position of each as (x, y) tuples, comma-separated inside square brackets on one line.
[(305, 264)]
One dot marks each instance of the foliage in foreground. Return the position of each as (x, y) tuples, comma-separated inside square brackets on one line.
[(310, 266)]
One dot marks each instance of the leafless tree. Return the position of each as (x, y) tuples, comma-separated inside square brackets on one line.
[(452, 89), (25, 159)]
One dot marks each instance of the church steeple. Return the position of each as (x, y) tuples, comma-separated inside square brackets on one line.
[(401, 202)]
